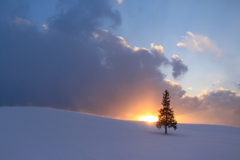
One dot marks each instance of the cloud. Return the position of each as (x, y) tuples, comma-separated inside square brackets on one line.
[(236, 84), (21, 22), (216, 82), (74, 65), (199, 43), (179, 68), (223, 99), (223, 104), (180, 101), (123, 42), (157, 48), (45, 26), (83, 17), (212, 107), (190, 88), (120, 1), (205, 91)]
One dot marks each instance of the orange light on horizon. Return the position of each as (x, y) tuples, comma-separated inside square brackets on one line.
[(148, 118)]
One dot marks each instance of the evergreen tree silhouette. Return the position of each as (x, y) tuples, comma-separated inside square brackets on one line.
[(166, 117)]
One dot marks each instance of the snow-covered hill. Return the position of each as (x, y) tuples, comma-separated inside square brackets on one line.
[(29, 133)]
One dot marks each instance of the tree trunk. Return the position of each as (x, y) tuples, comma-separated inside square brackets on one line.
[(166, 129)]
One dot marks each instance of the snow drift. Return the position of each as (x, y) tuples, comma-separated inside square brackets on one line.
[(30, 133)]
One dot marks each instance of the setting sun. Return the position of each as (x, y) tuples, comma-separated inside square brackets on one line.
[(148, 118)]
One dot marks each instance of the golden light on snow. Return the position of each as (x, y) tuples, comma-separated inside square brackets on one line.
[(148, 118)]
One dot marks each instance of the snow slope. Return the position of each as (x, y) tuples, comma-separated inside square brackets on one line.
[(29, 133)]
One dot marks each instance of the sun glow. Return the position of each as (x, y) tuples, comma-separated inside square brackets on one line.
[(148, 118)]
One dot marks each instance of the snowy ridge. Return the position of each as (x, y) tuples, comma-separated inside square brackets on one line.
[(31, 133)]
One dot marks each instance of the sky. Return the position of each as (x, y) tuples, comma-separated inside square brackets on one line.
[(115, 58)]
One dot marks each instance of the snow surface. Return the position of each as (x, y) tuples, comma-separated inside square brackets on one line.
[(30, 133)]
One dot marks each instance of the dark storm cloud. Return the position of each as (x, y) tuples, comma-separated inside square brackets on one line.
[(83, 16), (179, 68), (10, 9), (73, 64), (50, 69)]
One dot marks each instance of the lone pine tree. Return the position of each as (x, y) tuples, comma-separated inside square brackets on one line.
[(166, 117)]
